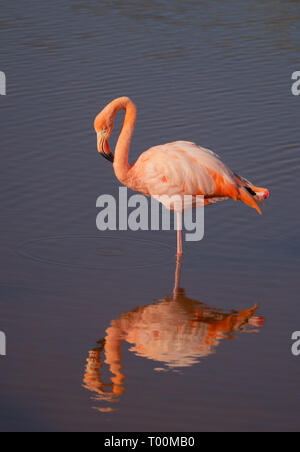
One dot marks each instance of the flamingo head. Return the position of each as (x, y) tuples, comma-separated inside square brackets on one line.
[(103, 128)]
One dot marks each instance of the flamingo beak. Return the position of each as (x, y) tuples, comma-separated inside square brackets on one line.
[(104, 148)]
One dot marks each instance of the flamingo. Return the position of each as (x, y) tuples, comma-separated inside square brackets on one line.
[(179, 169)]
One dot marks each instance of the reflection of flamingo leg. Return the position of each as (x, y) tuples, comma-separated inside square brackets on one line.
[(177, 277), (179, 234)]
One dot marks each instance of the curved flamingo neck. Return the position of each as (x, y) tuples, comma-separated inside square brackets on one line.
[(121, 164)]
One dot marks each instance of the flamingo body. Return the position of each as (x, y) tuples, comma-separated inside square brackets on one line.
[(182, 168)]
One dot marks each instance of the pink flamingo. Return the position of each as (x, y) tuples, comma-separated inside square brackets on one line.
[(174, 169)]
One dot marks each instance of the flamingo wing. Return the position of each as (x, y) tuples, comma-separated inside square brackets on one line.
[(183, 168)]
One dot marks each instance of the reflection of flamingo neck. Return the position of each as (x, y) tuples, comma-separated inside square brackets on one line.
[(92, 378)]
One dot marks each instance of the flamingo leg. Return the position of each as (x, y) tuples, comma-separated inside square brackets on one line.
[(179, 235)]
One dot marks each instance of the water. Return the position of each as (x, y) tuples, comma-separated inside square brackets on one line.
[(97, 337)]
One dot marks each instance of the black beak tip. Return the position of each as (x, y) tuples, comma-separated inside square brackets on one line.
[(108, 157)]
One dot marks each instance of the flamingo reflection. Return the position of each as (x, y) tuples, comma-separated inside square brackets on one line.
[(175, 332)]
